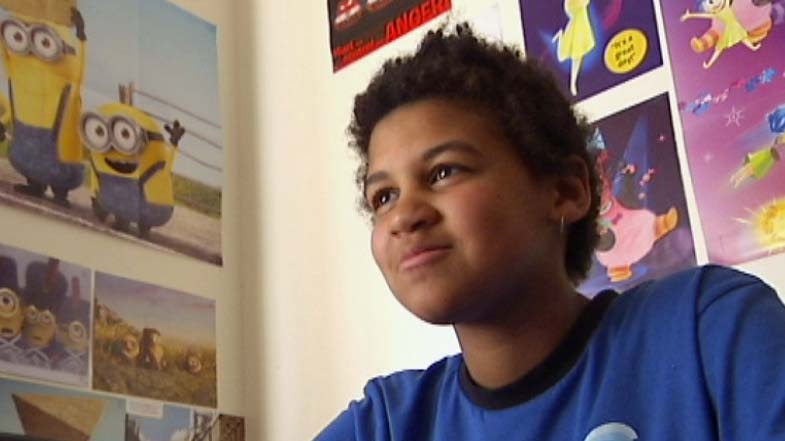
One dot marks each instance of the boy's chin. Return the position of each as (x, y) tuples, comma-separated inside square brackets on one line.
[(434, 310)]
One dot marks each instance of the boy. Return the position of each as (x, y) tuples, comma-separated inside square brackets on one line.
[(484, 203)]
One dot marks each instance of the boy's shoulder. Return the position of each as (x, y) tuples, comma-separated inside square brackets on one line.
[(412, 382), (704, 283), (690, 291)]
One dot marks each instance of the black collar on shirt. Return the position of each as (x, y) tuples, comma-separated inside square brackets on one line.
[(551, 370)]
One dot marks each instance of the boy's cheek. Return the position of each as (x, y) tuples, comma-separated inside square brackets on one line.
[(378, 247)]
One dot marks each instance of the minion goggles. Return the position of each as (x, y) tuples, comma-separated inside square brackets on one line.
[(36, 39), (119, 132)]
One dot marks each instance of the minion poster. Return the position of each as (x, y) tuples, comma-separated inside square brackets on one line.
[(44, 317), (359, 27), (139, 350), (36, 412), (111, 120), (591, 45), (729, 74), (644, 227)]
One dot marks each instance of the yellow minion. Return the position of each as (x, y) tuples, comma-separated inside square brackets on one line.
[(130, 166), (39, 327), (11, 314), (73, 336), (5, 122), (45, 65), (193, 362)]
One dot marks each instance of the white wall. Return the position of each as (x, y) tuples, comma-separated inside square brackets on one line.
[(325, 321)]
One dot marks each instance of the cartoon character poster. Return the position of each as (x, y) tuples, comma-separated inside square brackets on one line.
[(174, 424), (359, 27), (44, 317), (110, 120), (36, 412), (729, 75), (591, 45), (645, 230), (140, 350)]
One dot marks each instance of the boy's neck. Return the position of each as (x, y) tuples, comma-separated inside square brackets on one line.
[(498, 353)]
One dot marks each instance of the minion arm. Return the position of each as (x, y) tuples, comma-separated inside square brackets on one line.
[(69, 144)]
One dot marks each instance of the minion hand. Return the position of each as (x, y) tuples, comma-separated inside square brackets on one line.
[(78, 21), (4, 136), (176, 131)]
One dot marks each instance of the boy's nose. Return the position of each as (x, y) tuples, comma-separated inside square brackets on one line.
[(412, 214)]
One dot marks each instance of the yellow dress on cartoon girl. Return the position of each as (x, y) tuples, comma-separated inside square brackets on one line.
[(753, 15), (734, 32), (576, 39)]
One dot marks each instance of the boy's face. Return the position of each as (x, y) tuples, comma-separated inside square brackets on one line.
[(462, 230)]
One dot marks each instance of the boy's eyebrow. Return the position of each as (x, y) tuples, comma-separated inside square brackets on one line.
[(374, 177), (454, 145), (428, 155)]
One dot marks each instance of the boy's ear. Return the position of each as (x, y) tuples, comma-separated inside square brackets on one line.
[(573, 191)]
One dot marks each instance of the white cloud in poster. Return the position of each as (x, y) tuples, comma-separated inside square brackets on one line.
[(181, 435)]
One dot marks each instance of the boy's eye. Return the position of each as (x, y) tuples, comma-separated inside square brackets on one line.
[(381, 198), (442, 172)]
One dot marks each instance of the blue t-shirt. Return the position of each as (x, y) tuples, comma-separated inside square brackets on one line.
[(696, 356)]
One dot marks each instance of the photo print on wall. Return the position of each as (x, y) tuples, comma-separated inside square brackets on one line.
[(174, 424), (44, 317), (101, 126), (645, 230), (729, 73), (153, 342), (591, 45), (36, 412)]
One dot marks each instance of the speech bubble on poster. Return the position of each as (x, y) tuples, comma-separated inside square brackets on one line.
[(626, 51)]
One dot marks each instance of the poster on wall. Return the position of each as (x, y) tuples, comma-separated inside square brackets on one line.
[(645, 230), (729, 73), (35, 412), (111, 120), (44, 317), (173, 424), (593, 45), (153, 342), (359, 27)]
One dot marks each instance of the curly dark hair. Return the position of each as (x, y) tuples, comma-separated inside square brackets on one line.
[(519, 94)]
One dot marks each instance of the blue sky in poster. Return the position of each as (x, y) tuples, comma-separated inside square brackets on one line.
[(147, 305), (166, 52), (176, 420)]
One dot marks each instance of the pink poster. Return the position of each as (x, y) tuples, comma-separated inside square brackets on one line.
[(728, 67)]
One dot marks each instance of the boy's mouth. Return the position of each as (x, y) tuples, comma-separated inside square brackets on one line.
[(422, 255)]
